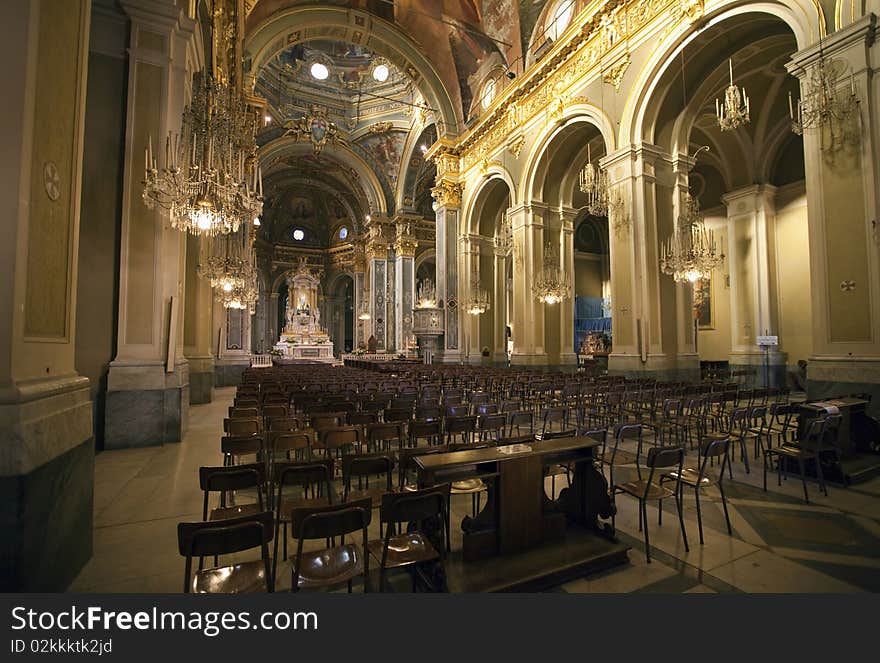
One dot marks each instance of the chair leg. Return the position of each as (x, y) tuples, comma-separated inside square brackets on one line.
[(724, 504), (803, 478), (681, 521), (765, 473), (820, 476), (699, 513), (643, 515)]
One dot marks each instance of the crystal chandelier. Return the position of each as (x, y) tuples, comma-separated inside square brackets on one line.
[(593, 181), (226, 261), (504, 236), (552, 284), (210, 182), (478, 299), (823, 106), (426, 294), (690, 253), (733, 112)]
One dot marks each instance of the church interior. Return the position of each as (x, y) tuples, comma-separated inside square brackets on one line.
[(496, 283)]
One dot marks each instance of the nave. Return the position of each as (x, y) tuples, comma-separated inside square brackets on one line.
[(778, 543)]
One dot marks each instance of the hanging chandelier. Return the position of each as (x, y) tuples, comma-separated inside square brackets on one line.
[(210, 182), (825, 107), (426, 294), (478, 301), (690, 253), (227, 262), (504, 236), (733, 112), (552, 284), (593, 181)]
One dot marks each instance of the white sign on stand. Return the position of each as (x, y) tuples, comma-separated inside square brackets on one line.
[(768, 340)]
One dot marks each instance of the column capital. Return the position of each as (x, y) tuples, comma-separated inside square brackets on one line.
[(749, 199), (448, 193)]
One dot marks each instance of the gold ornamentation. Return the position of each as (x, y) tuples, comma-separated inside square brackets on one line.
[(316, 127), (614, 76), (447, 193), (515, 146), (380, 127)]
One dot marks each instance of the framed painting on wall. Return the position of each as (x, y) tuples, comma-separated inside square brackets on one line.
[(703, 301)]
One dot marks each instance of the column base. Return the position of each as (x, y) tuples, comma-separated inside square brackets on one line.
[(145, 405), (201, 380), (228, 370), (524, 359), (47, 469), (828, 377), (684, 367), (776, 368)]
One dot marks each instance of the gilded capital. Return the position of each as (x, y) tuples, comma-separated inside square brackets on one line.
[(447, 193)]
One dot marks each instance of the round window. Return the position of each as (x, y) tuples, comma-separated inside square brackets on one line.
[(298, 234), (343, 232), (319, 71), (380, 73)]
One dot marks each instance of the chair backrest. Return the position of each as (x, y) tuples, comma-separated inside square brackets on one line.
[(324, 522), (231, 477), (495, 422), (361, 418), (627, 431), (522, 418), (397, 414), (386, 431), (329, 420), (273, 410), (366, 465), (426, 412), (283, 424), (487, 408), (241, 445), (406, 460), (289, 441), (224, 537), (416, 506), (294, 473), (465, 424), (237, 412), (832, 429), (661, 457), (241, 426), (457, 410), (334, 438), (510, 406)]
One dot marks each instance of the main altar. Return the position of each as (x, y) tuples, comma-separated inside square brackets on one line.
[(304, 337)]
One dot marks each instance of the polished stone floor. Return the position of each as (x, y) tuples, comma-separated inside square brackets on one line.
[(779, 544)]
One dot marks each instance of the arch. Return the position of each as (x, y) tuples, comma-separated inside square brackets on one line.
[(273, 151), (850, 11), (495, 172), (287, 27), (406, 176), (805, 19), (535, 165)]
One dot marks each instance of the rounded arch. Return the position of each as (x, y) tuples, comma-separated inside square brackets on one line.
[(847, 11), (536, 165), (804, 17), (272, 152), (495, 173), (289, 26)]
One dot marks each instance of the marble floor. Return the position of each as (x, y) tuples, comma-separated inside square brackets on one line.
[(779, 544)]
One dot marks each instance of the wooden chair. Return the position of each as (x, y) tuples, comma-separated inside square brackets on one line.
[(334, 565), (224, 537), (413, 549), (659, 458)]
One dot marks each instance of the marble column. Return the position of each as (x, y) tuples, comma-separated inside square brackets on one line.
[(404, 280), (377, 264), (843, 215), (232, 329), (273, 334), (451, 281), (197, 328), (567, 356), (46, 435), (499, 304), (527, 332), (646, 305), (146, 403), (754, 306)]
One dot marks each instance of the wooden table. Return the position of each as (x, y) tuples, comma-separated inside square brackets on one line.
[(850, 409), (518, 514)]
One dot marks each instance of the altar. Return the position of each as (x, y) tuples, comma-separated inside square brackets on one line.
[(303, 336)]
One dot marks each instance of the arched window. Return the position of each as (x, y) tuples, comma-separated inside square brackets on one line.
[(488, 94), (559, 18), (298, 234), (343, 232)]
